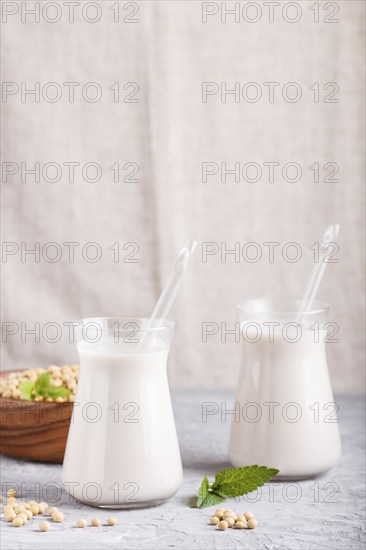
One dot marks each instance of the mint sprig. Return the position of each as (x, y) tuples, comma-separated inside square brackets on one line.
[(42, 387), (233, 482)]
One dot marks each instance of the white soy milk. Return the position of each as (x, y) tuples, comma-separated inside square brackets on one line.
[(122, 448), (287, 412)]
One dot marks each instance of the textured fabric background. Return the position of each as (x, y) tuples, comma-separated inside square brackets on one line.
[(169, 133)]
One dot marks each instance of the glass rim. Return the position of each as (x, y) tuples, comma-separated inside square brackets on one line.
[(165, 323), (318, 306)]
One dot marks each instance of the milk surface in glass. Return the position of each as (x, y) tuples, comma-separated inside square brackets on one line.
[(286, 415), (122, 448)]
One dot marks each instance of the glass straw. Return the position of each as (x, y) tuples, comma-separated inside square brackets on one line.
[(317, 273), (171, 288)]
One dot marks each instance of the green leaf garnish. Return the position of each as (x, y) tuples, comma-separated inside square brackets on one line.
[(42, 384), (57, 391), (202, 491), (42, 388), (233, 482)]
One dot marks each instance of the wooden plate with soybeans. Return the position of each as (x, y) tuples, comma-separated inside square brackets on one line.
[(36, 407)]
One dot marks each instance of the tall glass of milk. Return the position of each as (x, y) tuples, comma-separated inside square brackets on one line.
[(285, 414), (122, 449)]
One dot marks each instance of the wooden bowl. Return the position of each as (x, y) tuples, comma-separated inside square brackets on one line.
[(34, 430)]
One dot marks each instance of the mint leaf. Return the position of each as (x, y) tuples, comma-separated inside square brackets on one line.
[(211, 498), (41, 384), (234, 482), (205, 497), (202, 492), (57, 391), (26, 388)]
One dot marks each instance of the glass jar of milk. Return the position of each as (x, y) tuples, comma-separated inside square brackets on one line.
[(285, 414), (122, 449)]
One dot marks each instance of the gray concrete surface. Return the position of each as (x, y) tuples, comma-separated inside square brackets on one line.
[(327, 512)]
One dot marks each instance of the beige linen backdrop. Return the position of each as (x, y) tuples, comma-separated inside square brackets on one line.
[(164, 138)]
